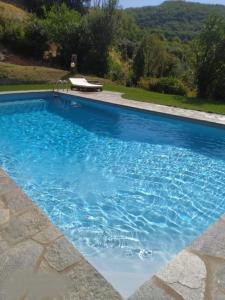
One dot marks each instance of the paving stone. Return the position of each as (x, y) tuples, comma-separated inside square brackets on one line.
[(41, 286), (4, 216), (217, 288), (5, 184), (150, 291), (47, 235), (23, 256), (61, 254), (186, 275), (88, 284), (44, 267), (3, 246), (116, 98), (24, 226), (36, 286), (16, 200), (212, 241), (2, 205)]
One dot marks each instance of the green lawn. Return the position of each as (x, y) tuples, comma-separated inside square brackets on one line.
[(139, 94), (26, 87), (170, 100)]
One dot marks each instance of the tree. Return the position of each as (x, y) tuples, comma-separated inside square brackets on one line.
[(62, 27), (151, 57), (98, 31), (210, 60), (37, 6), (128, 35), (60, 21), (35, 47)]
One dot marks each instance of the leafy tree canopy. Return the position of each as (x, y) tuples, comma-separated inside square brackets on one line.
[(176, 18), (38, 5), (210, 60)]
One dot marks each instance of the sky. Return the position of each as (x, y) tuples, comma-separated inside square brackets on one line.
[(136, 3)]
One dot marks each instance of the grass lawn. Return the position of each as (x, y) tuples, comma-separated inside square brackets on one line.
[(18, 73), (15, 72), (138, 94), (25, 87), (170, 100)]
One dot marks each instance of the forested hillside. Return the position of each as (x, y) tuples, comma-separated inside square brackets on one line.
[(175, 48), (176, 18)]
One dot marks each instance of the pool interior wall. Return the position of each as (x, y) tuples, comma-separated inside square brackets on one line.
[(129, 189)]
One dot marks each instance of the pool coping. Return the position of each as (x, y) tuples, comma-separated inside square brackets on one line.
[(31, 248), (115, 98), (29, 239)]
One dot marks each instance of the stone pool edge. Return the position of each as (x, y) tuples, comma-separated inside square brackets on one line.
[(169, 111), (29, 239), (198, 271), (31, 247)]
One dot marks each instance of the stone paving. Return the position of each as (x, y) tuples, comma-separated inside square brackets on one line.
[(196, 273), (116, 98), (38, 263)]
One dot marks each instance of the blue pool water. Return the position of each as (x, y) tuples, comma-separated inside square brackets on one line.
[(129, 189)]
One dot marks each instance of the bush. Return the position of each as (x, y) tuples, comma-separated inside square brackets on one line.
[(210, 60), (119, 69), (35, 47), (13, 33), (167, 85)]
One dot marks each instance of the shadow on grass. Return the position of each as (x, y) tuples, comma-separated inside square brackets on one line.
[(198, 101)]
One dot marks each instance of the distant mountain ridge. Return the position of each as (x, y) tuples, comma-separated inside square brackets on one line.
[(176, 18)]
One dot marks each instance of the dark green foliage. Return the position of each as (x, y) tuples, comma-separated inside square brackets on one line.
[(150, 59), (35, 40), (210, 64), (60, 21), (37, 6), (128, 35), (62, 27), (109, 43), (158, 58), (176, 19), (26, 39), (12, 33), (167, 85), (97, 34)]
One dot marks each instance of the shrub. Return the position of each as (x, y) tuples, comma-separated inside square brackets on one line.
[(210, 60), (13, 33), (1, 32), (119, 69), (35, 47), (167, 85)]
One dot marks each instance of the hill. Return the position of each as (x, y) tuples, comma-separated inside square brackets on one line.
[(10, 73), (10, 11), (176, 18)]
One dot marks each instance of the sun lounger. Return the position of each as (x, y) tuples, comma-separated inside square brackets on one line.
[(83, 84)]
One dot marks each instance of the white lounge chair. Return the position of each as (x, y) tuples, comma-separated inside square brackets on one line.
[(83, 84)]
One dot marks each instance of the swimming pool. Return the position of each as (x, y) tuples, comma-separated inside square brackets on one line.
[(129, 189)]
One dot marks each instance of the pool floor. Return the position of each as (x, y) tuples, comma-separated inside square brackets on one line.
[(129, 189)]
